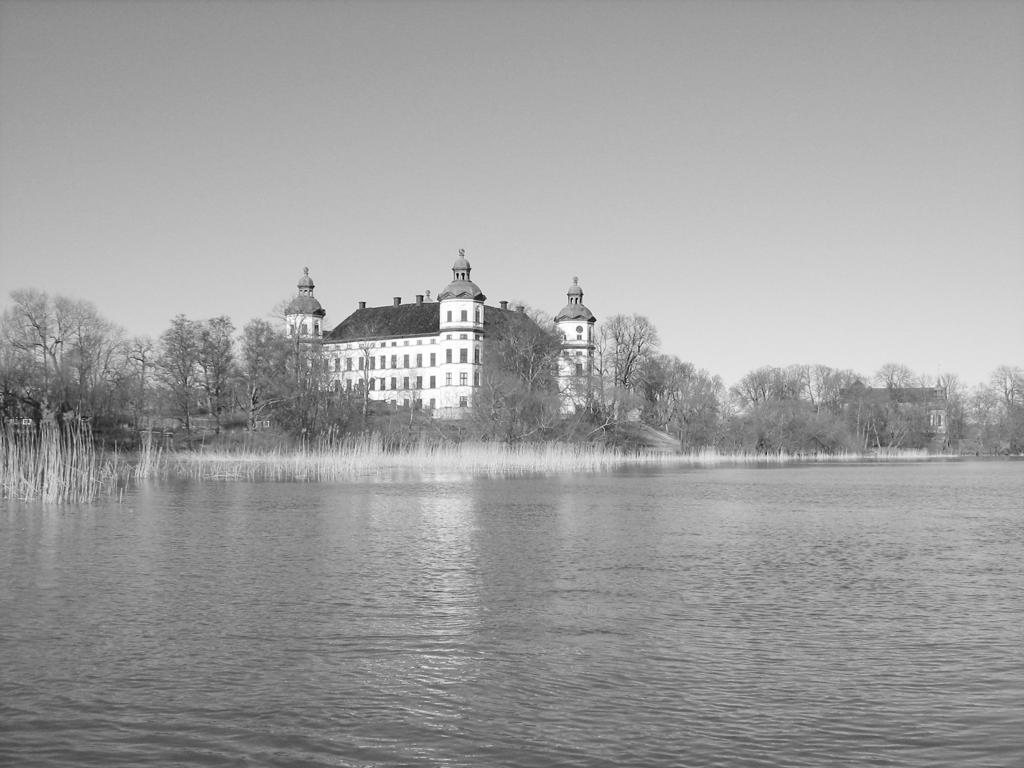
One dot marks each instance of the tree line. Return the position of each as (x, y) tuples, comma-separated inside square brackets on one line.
[(60, 357)]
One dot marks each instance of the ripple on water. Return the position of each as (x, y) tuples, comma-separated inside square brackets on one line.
[(799, 617)]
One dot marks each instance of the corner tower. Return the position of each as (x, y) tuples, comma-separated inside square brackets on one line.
[(575, 365), (461, 305), (304, 316)]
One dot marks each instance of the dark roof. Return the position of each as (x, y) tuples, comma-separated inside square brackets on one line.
[(387, 322), (412, 320)]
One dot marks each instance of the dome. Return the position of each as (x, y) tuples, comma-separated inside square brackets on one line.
[(575, 312), (462, 262), (461, 289), (305, 281), (304, 304), (574, 289)]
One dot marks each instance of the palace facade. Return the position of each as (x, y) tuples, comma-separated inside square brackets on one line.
[(430, 353)]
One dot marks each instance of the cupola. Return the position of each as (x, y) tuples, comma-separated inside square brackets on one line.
[(575, 309), (461, 287)]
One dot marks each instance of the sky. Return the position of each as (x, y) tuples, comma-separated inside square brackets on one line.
[(770, 183)]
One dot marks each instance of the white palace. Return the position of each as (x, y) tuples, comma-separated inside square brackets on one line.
[(428, 353)]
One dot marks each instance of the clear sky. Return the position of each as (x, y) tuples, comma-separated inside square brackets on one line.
[(769, 182)]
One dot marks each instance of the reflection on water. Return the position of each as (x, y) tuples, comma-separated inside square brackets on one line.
[(796, 616)]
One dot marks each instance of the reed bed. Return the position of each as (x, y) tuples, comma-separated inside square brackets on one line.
[(368, 456), (56, 464)]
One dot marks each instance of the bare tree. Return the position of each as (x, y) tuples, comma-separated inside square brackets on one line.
[(178, 364), (895, 376), (216, 363)]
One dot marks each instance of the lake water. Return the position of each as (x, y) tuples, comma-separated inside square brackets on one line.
[(796, 616)]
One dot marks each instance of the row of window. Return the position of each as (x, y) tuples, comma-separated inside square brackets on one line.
[(407, 342), (464, 315), (417, 403), (370, 361), (382, 382)]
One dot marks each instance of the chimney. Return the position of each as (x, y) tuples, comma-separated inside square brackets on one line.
[(503, 304), (398, 300), (362, 305), (419, 298), (520, 308)]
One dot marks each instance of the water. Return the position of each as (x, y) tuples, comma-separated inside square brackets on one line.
[(798, 616)]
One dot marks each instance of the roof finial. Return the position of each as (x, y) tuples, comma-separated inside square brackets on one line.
[(575, 281), (462, 253), (305, 270)]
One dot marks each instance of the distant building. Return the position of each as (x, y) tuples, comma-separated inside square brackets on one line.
[(931, 402), (429, 354)]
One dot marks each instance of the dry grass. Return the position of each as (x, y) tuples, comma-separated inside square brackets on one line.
[(367, 456)]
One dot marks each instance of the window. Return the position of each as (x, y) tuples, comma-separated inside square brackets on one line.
[(433, 359), (476, 355), (394, 382), (383, 360), (419, 360), (405, 361), (476, 378), (405, 402), (433, 403), (383, 383), (302, 330), (579, 337), (463, 401), (373, 384), (419, 382), (433, 382), (360, 384), (405, 382), (373, 363), (394, 361), (463, 378), (465, 316), (417, 403), (337, 364), (448, 379), (579, 369), (447, 355), (463, 355), (478, 314), (348, 385), (449, 315)]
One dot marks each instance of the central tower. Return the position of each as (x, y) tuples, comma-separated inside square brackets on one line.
[(461, 305)]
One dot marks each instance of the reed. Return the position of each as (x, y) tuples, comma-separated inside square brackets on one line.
[(364, 456), (55, 464)]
